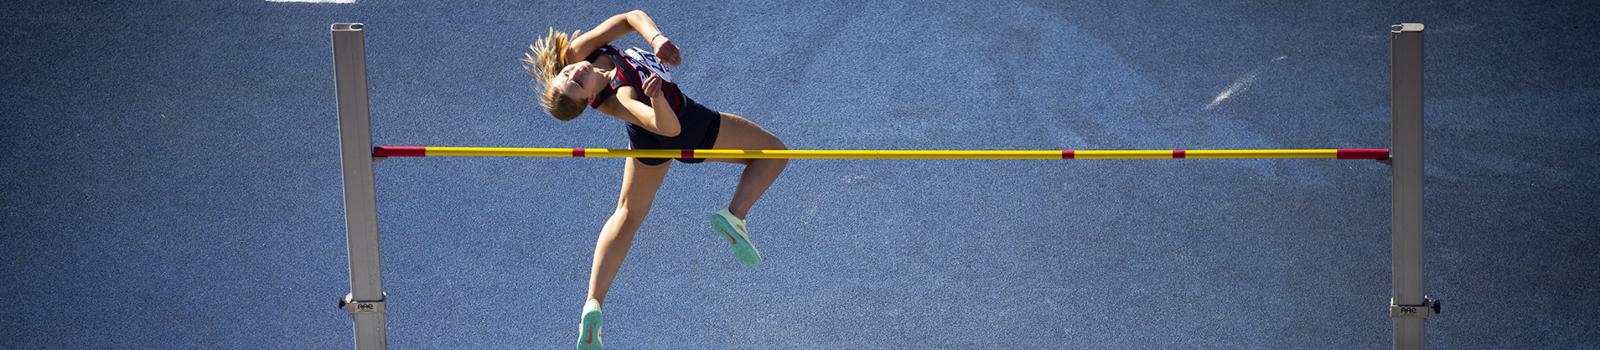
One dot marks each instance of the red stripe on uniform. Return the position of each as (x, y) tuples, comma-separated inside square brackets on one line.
[(1362, 153), (400, 151), (577, 152), (688, 153), (1069, 154), (1178, 154)]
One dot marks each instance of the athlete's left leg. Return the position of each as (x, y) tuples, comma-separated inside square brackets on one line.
[(739, 133)]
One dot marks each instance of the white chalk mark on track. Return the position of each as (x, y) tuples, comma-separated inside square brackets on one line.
[(1241, 84)]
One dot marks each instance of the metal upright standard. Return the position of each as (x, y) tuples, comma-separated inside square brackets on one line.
[(365, 301), (1408, 307)]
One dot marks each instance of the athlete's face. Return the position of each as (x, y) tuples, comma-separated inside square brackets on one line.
[(579, 81)]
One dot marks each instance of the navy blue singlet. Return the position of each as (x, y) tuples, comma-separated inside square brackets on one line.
[(699, 125)]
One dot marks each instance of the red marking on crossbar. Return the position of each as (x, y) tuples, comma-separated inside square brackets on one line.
[(1069, 154), (1362, 153), (400, 151), (688, 153), (1179, 154), (577, 152)]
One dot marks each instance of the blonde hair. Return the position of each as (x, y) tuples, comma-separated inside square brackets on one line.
[(548, 55)]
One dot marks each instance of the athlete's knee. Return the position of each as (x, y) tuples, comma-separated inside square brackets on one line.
[(777, 164), (630, 215), (777, 143)]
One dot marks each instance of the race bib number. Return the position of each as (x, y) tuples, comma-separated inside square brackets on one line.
[(649, 61)]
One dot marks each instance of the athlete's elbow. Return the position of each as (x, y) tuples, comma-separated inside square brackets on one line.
[(627, 17), (636, 13)]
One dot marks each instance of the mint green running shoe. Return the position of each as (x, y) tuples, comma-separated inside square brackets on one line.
[(731, 229), (589, 329)]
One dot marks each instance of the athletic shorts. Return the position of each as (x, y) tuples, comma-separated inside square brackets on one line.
[(699, 126)]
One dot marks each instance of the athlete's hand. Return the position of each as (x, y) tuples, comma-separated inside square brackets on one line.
[(666, 50), (652, 87)]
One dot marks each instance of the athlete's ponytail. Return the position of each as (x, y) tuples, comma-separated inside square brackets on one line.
[(549, 55)]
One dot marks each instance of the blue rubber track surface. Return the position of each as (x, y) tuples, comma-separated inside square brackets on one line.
[(170, 177)]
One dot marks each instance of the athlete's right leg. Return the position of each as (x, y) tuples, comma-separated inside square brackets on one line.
[(639, 185)]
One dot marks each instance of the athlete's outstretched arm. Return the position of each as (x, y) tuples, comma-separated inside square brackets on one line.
[(619, 25)]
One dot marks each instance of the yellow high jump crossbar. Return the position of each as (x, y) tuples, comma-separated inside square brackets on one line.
[(437, 151)]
